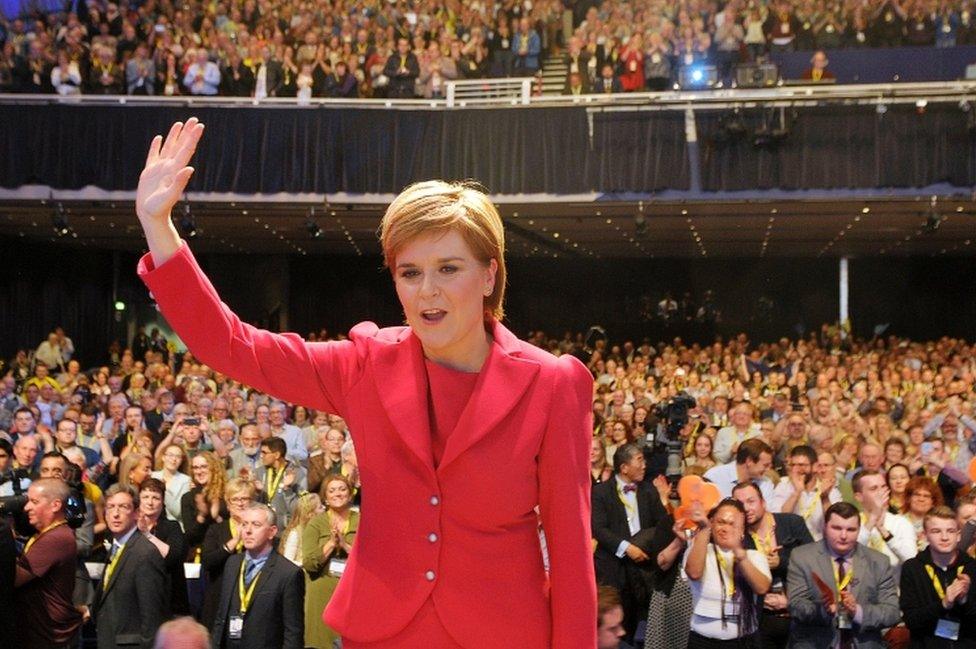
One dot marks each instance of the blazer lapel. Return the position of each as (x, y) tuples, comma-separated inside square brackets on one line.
[(400, 367), (501, 383), (126, 554)]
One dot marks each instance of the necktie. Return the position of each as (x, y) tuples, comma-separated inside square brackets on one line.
[(628, 488), (250, 569), (846, 635), (114, 551)]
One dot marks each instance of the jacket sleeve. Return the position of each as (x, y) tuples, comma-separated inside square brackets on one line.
[(293, 611), (152, 592), (283, 365), (600, 523), (885, 612), (805, 604), (564, 503), (919, 610)]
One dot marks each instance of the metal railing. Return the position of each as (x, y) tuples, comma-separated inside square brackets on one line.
[(517, 93)]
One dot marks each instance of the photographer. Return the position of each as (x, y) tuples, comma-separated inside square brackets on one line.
[(45, 579)]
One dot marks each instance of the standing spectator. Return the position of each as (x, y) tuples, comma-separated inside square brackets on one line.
[(168, 538), (728, 39), (201, 78), (609, 619), (105, 77), (236, 79), (526, 46), (49, 352), (888, 533), (268, 75), (278, 479), (45, 573), (502, 56), (657, 63), (752, 462), (781, 27), (131, 597), (402, 69), (632, 62)]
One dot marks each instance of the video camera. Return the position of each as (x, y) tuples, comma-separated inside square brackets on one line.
[(672, 417), (75, 508)]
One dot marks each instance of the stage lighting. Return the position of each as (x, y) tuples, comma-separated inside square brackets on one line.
[(640, 221), (313, 229), (119, 305), (933, 220), (60, 221), (697, 77), (188, 223)]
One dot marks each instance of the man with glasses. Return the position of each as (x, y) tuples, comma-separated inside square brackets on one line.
[(291, 434), (278, 479), (131, 596), (245, 460), (803, 493)]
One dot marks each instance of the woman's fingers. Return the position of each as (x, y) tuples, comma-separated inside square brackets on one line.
[(169, 146), (189, 139), (154, 147)]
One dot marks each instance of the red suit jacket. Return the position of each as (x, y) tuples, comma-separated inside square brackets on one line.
[(465, 533)]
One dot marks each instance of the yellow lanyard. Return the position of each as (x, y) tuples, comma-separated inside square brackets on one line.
[(939, 590), (813, 505), (110, 568), (246, 595), (31, 540), (875, 542), (726, 569), (767, 544), (841, 585), (233, 533), (273, 480)]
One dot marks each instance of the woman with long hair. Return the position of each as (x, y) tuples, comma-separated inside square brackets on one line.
[(134, 468), (600, 469), (922, 495), (897, 477), (172, 472), (326, 542), (726, 580), (203, 505), (306, 506), (700, 459)]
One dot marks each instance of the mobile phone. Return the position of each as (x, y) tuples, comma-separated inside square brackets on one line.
[(191, 421), (797, 407)]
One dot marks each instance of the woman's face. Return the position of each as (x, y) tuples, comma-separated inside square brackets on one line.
[(336, 495), (200, 470), (596, 451), (703, 446), (150, 502), (921, 502), (442, 286), (236, 504), (172, 459), (897, 479), (728, 526), (619, 433), (140, 472)]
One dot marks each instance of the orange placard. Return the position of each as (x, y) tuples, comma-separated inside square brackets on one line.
[(972, 469), (709, 496)]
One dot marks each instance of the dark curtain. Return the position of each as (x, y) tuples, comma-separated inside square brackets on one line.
[(267, 150), (640, 151), (839, 147)]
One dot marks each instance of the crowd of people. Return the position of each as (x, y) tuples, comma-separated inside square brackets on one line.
[(401, 49), (825, 450)]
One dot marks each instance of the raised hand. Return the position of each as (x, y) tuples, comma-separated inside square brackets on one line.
[(166, 172)]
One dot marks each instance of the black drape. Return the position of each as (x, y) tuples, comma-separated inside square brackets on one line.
[(326, 150), (840, 147)]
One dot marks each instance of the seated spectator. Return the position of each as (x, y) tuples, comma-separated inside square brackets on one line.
[(203, 75), (576, 84), (818, 71), (610, 617)]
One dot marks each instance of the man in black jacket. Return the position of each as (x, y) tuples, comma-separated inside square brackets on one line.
[(132, 598), (936, 602), (402, 68), (262, 594), (775, 535), (625, 511)]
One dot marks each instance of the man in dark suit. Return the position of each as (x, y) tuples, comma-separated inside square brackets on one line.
[(268, 75), (863, 598), (262, 594), (775, 535), (131, 599), (625, 512), (402, 68)]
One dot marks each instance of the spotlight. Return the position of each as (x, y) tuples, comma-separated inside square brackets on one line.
[(60, 221), (697, 77), (188, 223), (640, 221), (933, 221)]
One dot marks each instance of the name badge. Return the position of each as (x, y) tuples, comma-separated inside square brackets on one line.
[(731, 609), (947, 629), (235, 627), (337, 567)]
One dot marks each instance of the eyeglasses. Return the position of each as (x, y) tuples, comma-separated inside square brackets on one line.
[(239, 500)]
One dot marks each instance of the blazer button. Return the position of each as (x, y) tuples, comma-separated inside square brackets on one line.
[(434, 500), (429, 575), (432, 537)]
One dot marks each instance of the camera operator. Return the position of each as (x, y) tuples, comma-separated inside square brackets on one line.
[(45, 579)]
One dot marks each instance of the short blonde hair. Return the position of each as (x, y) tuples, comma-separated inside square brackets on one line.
[(236, 486), (439, 206)]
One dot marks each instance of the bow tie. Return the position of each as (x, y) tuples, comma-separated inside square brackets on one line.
[(629, 488)]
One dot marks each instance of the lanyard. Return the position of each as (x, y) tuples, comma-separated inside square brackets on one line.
[(875, 542), (936, 582), (246, 595), (627, 506), (31, 540), (841, 585), (233, 533), (813, 505), (273, 480), (110, 568), (728, 587), (767, 544)]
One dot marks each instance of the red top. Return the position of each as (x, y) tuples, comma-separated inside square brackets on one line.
[(448, 392)]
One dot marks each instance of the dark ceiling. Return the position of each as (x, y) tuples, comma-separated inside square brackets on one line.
[(744, 229)]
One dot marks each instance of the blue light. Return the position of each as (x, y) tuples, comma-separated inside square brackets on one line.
[(697, 76)]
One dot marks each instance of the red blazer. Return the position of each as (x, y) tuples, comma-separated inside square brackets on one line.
[(465, 533)]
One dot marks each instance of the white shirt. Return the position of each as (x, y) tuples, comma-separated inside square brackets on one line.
[(728, 437), (809, 505), (902, 545), (629, 501), (706, 594), (725, 477)]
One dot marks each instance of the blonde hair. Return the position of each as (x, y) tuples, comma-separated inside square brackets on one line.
[(236, 486), (439, 206), (130, 462)]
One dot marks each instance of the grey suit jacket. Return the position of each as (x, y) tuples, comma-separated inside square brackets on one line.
[(284, 498), (873, 586)]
